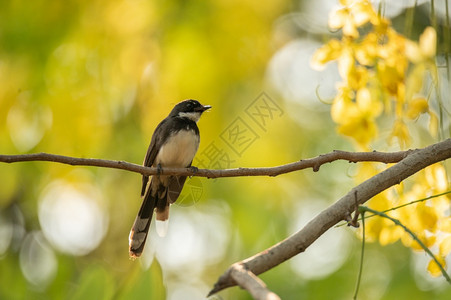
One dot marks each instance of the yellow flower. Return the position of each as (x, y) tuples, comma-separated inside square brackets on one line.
[(384, 71), (401, 132), (392, 80), (436, 178), (345, 63), (353, 15), (343, 104), (358, 77), (366, 52), (433, 124), (367, 104), (434, 269), (384, 62), (427, 217), (330, 51), (361, 129), (390, 234), (445, 246), (356, 118), (374, 226), (416, 107), (428, 42), (391, 49), (408, 241), (425, 49), (445, 225)]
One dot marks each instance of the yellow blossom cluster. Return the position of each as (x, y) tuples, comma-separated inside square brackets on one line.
[(382, 72), (419, 210)]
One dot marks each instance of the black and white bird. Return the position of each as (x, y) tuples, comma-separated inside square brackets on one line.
[(174, 143)]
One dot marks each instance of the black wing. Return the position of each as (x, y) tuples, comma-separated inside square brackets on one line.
[(158, 137)]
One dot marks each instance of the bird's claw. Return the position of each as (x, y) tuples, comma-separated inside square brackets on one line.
[(159, 170), (194, 170)]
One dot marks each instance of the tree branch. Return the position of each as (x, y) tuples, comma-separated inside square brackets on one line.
[(244, 272), (254, 285), (314, 163), (340, 210)]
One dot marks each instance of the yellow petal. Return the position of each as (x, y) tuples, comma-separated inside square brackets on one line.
[(436, 177), (350, 29), (413, 51), (345, 63), (360, 128), (415, 79), (401, 132), (328, 52), (406, 239), (343, 110), (366, 51), (346, 2), (350, 2), (337, 110), (427, 216), (427, 241), (445, 225), (337, 19), (434, 269), (445, 246), (363, 99), (368, 103), (416, 107), (385, 237), (389, 235), (428, 42), (362, 12), (433, 124)]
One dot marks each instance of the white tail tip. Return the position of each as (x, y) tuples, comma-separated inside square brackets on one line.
[(162, 227)]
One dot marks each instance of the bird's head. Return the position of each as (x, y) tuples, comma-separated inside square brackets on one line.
[(190, 109)]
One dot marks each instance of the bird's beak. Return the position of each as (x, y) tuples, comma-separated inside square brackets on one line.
[(203, 108)]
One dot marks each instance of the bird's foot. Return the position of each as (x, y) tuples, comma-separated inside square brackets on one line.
[(159, 170), (194, 170)]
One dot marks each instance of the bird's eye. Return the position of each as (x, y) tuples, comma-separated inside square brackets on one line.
[(190, 105)]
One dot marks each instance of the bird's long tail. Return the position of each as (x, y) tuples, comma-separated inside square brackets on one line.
[(138, 233)]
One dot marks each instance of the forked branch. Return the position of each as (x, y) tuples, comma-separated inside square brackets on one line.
[(244, 273), (340, 210)]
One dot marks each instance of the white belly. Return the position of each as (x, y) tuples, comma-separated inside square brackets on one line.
[(179, 150)]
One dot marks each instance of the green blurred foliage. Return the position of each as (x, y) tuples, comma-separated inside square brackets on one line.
[(93, 79)]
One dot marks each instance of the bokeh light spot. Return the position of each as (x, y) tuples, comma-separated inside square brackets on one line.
[(328, 253), (72, 218), (37, 260)]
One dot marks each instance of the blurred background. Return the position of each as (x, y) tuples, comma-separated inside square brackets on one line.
[(94, 78)]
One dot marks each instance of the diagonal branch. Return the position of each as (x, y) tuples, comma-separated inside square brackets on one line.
[(314, 163), (337, 212)]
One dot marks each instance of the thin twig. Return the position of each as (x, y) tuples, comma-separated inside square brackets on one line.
[(413, 235), (398, 207), (359, 276)]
